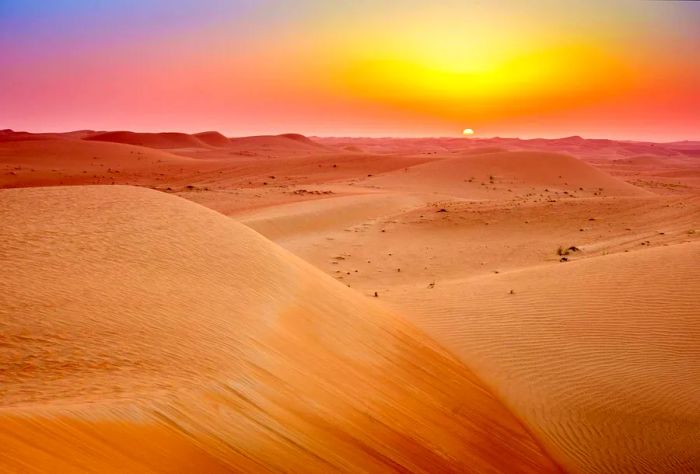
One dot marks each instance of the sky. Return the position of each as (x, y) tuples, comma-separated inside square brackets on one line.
[(609, 69)]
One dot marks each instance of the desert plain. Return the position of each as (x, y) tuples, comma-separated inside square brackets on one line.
[(177, 302)]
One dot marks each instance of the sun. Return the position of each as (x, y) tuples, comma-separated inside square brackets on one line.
[(467, 132)]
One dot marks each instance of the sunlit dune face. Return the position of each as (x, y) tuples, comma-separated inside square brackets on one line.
[(467, 132)]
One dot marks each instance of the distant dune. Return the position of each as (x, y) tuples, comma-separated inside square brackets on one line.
[(541, 169), (214, 139), (685, 145), (63, 161), (8, 135), (288, 141), (147, 333), (297, 137), (473, 175), (151, 140), (594, 148), (54, 161), (599, 356)]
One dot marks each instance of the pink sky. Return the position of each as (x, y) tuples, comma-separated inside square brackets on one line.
[(612, 69)]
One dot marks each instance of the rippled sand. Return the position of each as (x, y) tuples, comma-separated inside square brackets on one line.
[(144, 332)]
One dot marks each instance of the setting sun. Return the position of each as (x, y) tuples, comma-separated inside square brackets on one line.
[(467, 132)]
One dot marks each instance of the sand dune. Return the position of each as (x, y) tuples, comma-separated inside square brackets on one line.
[(214, 139), (584, 148), (146, 333), (62, 161), (151, 140), (688, 147), (284, 142), (133, 318), (221, 178), (478, 176), (297, 137), (601, 357), (9, 135)]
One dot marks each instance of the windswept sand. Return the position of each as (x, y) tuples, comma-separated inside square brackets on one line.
[(142, 332), (143, 320), (600, 356)]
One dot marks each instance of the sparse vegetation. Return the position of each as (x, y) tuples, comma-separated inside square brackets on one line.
[(305, 191), (562, 251)]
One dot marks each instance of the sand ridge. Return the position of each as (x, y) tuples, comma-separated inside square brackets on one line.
[(134, 317), (152, 140), (214, 139)]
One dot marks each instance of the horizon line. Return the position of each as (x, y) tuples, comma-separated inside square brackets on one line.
[(368, 137)]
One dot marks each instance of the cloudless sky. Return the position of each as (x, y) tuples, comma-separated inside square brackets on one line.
[(620, 69)]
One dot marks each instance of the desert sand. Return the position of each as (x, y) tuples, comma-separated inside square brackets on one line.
[(135, 317), (499, 305), (600, 357)]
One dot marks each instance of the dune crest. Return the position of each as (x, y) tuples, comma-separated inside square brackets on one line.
[(151, 140), (214, 139), (145, 332), (285, 142)]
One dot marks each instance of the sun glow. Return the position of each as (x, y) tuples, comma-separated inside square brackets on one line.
[(467, 132), (380, 67), (538, 80)]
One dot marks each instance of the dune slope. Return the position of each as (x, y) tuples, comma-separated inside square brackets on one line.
[(151, 140), (142, 332), (65, 161), (289, 142), (521, 172), (214, 139), (601, 357)]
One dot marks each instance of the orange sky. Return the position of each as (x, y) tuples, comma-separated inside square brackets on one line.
[(373, 68)]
